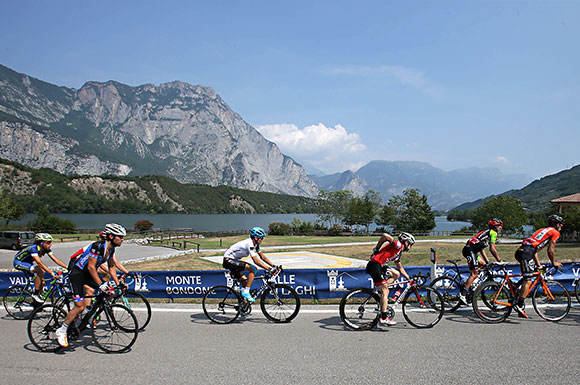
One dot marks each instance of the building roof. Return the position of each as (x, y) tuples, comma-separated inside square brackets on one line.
[(574, 198)]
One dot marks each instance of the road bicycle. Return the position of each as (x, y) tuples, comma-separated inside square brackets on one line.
[(133, 300), (113, 326), (577, 289), (422, 305), (18, 300), (493, 301), (451, 284), (279, 302)]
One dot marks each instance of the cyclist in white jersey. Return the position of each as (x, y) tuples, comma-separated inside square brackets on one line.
[(247, 248)]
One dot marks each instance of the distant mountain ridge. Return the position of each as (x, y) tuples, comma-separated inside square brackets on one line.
[(444, 189), (176, 129), (538, 194)]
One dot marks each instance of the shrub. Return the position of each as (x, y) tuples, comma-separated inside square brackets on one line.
[(279, 228), (143, 225)]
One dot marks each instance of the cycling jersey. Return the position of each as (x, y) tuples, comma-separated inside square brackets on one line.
[(95, 250), (541, 238), (482, 239), (242, 249), (26, 255), (389, 253)]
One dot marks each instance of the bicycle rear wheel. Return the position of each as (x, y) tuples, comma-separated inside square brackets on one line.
[(221, 304), (449, 288), (490, 302), (114, 328), (42, 326), (138, 304), (281, 304), (577, 289), (360, 308), (19, 303), (551, 300), (423, 310)]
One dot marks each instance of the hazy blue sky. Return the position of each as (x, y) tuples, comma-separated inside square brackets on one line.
[(338, 83)]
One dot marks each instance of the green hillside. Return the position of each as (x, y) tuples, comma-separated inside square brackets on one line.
[(54, 190)]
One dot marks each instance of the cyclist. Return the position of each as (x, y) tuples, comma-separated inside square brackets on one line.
[(377, 266), (247, 248), (476, 245), (29, 262), (84, 277), (527, 256)]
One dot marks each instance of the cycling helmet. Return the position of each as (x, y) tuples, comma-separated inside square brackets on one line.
[(495, 222), (43, 237), (406, 237), (257, 232), (555, 220), (115, 229)]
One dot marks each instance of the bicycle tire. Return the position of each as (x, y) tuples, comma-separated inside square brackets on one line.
[(423, 310), (577, 289), (280, 305), (221, 304), (449, 288), (555, 306), (42, 326), (114, 328), (19, 303), (360, 308), (484, 302), (138, 304), (64, 302)]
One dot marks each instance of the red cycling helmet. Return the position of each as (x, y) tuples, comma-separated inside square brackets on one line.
[(495, 222)]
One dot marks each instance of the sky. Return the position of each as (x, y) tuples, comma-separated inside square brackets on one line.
[(336, 84)]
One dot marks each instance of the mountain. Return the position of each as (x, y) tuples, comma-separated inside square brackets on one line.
[(538, 194), (176, 129), (61, 193), (444, 189)]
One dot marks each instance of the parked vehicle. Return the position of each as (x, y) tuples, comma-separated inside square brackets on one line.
[(16, 240)]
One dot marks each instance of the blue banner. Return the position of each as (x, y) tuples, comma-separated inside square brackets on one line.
[(309, 283)]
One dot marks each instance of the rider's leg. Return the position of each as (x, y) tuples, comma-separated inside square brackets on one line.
[(251, 275), (38, 280), (472, 275)]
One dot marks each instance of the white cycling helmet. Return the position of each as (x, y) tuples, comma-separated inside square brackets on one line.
[(115, 229), (407, 237)]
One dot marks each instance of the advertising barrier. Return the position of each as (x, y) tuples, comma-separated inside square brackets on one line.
[(308, 283)]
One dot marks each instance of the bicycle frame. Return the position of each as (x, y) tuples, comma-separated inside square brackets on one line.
[(513, 287)]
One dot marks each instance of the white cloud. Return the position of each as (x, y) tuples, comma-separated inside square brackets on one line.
[(502, 160), (330, 149)]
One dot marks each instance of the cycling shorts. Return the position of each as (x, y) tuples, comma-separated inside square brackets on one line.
[(78, 278), (377, 272), (471, 256), (25, 267), (525, 256), (235, 266)]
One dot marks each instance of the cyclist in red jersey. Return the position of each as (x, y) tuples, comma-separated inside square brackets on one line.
[(376, 267), (527, 256)]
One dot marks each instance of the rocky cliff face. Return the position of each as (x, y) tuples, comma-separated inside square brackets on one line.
[(175, 129)]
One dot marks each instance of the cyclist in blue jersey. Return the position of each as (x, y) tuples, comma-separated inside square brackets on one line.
[(84, 277), (247, 248), (29, 262)]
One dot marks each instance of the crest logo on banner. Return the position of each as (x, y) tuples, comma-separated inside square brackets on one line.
[(141, 284), (335, 280)]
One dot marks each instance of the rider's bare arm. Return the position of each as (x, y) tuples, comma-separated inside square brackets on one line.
[(400, 267), (494, 252), (384, 238), (260, 259)]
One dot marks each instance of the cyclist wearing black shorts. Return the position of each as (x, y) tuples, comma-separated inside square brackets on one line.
[(84, 277), (476, 245)]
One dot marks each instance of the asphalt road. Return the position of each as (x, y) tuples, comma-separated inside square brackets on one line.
[(182, 347)]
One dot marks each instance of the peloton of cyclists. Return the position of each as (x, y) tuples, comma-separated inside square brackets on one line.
[(477, 245), (527, 256), (29, 262), (377, 266), (84, 278), (249, 247)]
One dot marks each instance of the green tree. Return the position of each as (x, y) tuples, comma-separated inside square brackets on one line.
[(506, 208), (362, 211), (143, 225), (46, 223), (386, 216), (412, 211), (572, 219), (10, 210), (333, 205)]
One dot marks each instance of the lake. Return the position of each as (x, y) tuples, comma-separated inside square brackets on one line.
[(207, 222)]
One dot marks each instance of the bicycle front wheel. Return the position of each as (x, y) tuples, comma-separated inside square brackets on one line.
[(221, 304), (18, 302), (551, 300), (138, 304), (577, 289), (114, 328), (491, 302), (360, 308), (449, 288), (42, 326), (280, 303), (423, 310)]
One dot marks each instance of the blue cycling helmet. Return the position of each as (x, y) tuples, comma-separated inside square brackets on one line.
[(257, 232)]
